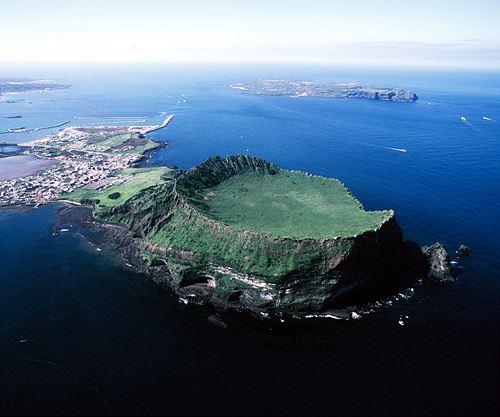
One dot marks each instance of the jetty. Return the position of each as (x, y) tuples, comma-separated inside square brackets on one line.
[(151, 129)]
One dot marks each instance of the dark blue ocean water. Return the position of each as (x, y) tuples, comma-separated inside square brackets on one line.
[(81, 334)]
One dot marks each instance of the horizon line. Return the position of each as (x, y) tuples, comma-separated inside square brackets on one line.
[(399, 65)]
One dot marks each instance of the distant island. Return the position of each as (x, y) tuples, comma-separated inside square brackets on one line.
[(324, 89), (27, 85)]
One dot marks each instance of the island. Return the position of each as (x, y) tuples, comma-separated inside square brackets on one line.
[(294, 88)]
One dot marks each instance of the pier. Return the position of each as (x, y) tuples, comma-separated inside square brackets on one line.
[(158, 127)]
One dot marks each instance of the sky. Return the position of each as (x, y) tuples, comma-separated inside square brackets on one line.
[(352, 32)]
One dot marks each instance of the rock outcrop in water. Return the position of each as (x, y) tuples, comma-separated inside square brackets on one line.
[(206, 259), (464, 250), (439, 263)]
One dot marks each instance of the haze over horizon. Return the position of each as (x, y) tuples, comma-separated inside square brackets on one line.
[(448, 34)]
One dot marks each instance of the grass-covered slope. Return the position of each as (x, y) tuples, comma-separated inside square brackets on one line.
[(134, 180), (271, 258), (287, 203), (125, 142)]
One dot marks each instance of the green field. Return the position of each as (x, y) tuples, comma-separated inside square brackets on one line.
[(122, 142), (115, 140), (287, 204), (118, 143), (140, 179)]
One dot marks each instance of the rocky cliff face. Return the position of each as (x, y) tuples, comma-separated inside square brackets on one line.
[(439, 263), (383, 94), (398, 95), (204, 259)]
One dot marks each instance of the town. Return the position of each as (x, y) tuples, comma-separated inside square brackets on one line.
[(90, 157)]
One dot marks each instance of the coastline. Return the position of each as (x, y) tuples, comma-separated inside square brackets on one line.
[(143, 161)]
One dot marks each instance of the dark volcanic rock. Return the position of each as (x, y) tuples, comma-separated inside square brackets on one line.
[(464, 250), (439, 263), (216, 320), (401, 95)]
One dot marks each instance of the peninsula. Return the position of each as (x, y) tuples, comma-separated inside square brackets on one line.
[(323, 89), (243, 234)]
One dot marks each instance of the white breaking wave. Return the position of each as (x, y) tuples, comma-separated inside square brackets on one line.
[(488, 118), (323, 316)]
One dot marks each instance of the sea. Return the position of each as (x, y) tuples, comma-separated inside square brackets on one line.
[(82, 334)]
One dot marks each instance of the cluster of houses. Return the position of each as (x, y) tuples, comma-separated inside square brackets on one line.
[(74, 168)]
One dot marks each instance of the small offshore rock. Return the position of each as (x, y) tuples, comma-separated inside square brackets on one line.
[(439, 263), (464, 250), (217, 320)]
